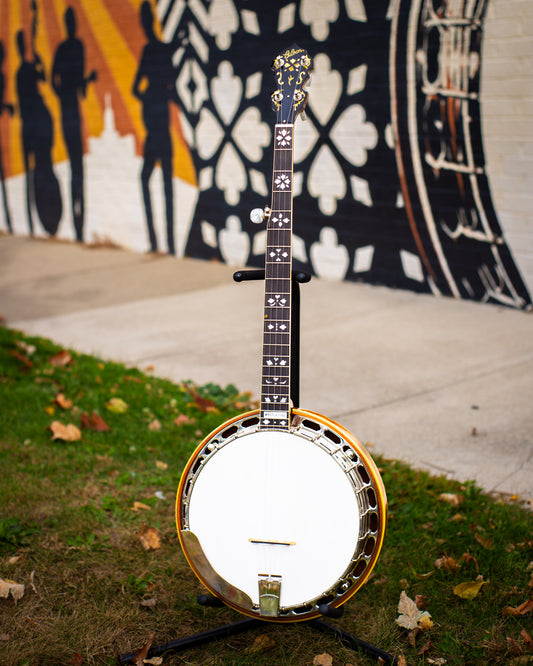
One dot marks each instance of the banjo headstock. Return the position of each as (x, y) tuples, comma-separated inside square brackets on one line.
[(291, 70)]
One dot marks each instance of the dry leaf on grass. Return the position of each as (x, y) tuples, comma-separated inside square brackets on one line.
[(62, 402), (94, 422), (519, 610), (263, 643), (161, 465), (455, 499), (149, 538), (154, 661), (116, 406), (67, 433), (487, 543), (411, 617), (447, 563), (9, 587), (27, 348), (142, 652), (324, 659), (183, 419), (61, 359), (155, 425), (137, 506), (469, 590), (149, 603), (21, 358)]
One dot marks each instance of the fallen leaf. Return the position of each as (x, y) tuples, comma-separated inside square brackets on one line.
[(466, 557), (61, 359), (203, 404), (116, 406), (425, 649), (425, 622), (142, 652), (62, 402), (155, 425), (469, 590), (94, 422), (451, 498), (447, 563), (439, 661), (527, 638), (75, 660), (149, 538), (401, 661), (487, 543), (137, 506), (29, 349), (9, 587), (154, 661), (183, 419), (262, 643), (519, 610), (324, 659), (50, 410), (411, 617), (67, 433), (421, 602), (21, 358), (149, 603), (161, 465)]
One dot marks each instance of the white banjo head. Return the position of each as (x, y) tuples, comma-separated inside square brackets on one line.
[(278, 522)]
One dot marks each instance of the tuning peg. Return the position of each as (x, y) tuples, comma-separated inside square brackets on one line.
[(257, 215)]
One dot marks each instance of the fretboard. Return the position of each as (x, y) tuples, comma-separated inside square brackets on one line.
[(275, 381)]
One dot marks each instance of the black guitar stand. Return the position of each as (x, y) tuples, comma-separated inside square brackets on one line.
[(209, 600)]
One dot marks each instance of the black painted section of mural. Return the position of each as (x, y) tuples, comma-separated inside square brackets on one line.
[(425, 224)]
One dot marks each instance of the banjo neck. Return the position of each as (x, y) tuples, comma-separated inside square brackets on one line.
[(276, 366), (291, 71)]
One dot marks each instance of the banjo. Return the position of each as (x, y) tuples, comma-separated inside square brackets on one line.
[(281, 511)]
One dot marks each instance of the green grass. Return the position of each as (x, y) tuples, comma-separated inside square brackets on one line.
[(69, 533)]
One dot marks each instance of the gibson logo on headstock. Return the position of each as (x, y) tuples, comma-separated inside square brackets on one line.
[(291, 70)]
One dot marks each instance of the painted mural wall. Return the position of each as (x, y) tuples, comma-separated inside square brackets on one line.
[(149, 125)]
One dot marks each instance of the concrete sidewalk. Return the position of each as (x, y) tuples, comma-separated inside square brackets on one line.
[(442, 384)]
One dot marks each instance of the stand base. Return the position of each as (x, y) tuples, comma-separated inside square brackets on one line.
[(251, 623)]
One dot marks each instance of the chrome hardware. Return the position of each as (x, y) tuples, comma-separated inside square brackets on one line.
[(269, 593)]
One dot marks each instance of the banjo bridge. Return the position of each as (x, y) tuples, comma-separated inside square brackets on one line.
[(273, 542)]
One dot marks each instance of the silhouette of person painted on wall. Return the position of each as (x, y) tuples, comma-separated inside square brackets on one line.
[(4, 106), (154, 86), (69, 82), (42, 188)]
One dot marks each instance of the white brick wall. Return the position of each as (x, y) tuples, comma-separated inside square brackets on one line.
[(507, 122)]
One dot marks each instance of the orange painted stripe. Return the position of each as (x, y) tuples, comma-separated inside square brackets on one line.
[(5, 118)]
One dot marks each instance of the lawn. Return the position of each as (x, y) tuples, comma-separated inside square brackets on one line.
[(91, 568)]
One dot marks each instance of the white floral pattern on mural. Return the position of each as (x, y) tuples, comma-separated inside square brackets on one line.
[(352, 135), (249, 135)]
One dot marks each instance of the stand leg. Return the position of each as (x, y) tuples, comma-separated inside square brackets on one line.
[(197, 639), (353, 641)]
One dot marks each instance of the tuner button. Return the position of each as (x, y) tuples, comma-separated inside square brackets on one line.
[(257, 215)]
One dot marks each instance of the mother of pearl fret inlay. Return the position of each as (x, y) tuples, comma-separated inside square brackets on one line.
[(282, 181), (279, 254), (283, 138), (280, 219)]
